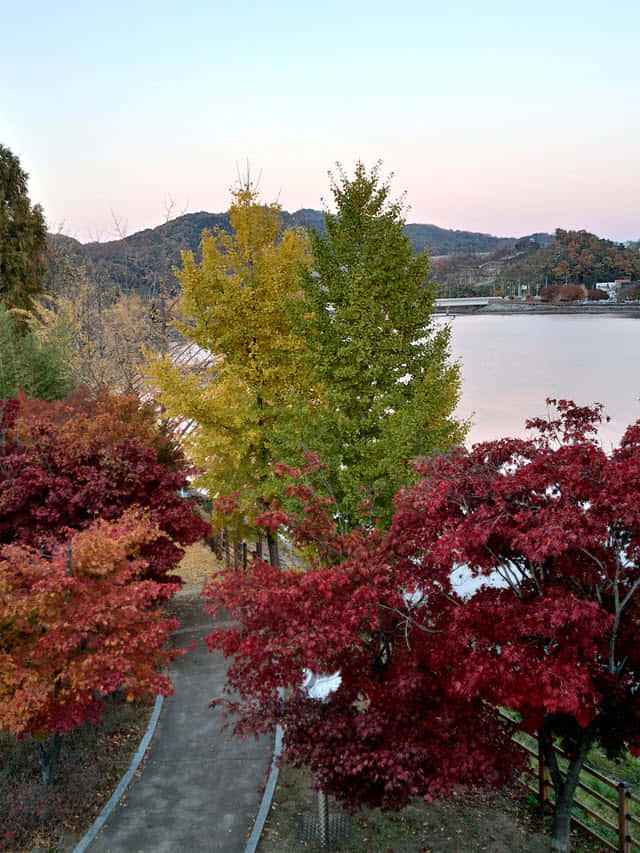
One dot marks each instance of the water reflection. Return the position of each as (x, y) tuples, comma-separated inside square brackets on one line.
[(510, 364)]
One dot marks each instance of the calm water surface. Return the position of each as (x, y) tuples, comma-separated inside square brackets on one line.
[(511, 364)]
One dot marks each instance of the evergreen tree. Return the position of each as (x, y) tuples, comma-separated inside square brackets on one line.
[(23, 237), (386, 387)]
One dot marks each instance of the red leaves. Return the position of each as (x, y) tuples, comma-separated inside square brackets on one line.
[(92, 524), (77, 625), (67, 463), (553, 519), (560, 520)]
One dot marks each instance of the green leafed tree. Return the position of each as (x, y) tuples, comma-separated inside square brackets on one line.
[(28, 362), (23, 237), (244, 373), (386, 387)]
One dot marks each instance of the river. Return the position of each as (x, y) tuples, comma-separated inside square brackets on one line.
[(511, 364)]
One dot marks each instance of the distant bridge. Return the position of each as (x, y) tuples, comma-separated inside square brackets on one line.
[(462, 302)]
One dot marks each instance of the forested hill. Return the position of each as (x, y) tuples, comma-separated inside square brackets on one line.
[(577, 257), (145, 260), (537, 261)]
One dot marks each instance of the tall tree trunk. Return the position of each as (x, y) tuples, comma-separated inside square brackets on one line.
[(274, 553), (565, 789), (259, 546), (272, 542), (47, 755)]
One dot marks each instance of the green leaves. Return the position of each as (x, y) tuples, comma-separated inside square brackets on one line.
[(22, 237), (386, 387), (37, 367)]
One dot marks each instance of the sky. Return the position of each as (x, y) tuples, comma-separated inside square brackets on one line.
[(498, 117)]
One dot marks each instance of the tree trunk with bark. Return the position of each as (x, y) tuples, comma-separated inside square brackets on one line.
[(274, 552), (564, 787), (47, 755)]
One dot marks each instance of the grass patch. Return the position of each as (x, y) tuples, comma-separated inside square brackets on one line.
[(471, 821), (624, 769)]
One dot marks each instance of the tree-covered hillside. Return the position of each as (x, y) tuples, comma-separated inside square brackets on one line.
[(578, 257), (570, 257), (144, 261)]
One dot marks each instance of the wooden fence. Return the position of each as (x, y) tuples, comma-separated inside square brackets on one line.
[(614, 813), (236, 554)]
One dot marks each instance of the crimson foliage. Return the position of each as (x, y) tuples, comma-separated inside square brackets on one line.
[(399, 725), (553, 525), (550, 527), (65, 464)]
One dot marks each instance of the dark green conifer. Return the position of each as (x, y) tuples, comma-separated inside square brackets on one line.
[(23, 237)]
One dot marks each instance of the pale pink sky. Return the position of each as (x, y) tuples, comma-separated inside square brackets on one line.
[(493, 117)]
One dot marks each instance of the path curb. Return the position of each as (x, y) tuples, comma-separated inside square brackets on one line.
[(267, 797), (104, 815)]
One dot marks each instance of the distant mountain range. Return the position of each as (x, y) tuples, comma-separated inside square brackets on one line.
[(145, 260)]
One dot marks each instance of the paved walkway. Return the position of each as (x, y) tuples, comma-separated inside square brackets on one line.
[(197, 790)]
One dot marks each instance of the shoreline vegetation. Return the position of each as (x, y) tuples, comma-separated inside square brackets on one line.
[(508, 307)]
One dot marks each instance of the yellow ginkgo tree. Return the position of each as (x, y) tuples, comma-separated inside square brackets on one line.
[(244, 373)]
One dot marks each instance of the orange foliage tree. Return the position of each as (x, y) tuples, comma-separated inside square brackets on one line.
[(91, 526), (76, 625)]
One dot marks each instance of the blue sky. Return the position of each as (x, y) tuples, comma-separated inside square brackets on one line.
[(492, 117)]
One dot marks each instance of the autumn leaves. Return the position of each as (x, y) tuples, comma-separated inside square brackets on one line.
[(323, 344), (91, 525)]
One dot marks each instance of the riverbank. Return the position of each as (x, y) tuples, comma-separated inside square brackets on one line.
[(507, 307)]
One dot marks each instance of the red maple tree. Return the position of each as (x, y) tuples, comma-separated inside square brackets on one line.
[(397, 726), (75, 626), (64, 464), (91, 525), (550, 527)]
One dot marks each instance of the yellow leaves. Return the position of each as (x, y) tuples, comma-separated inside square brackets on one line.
[(234, 305), (255, 226), (103, 334), (234, 301), (99, 551)]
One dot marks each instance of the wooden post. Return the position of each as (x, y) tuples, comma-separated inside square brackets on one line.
[(544, 778), (624, 818)]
